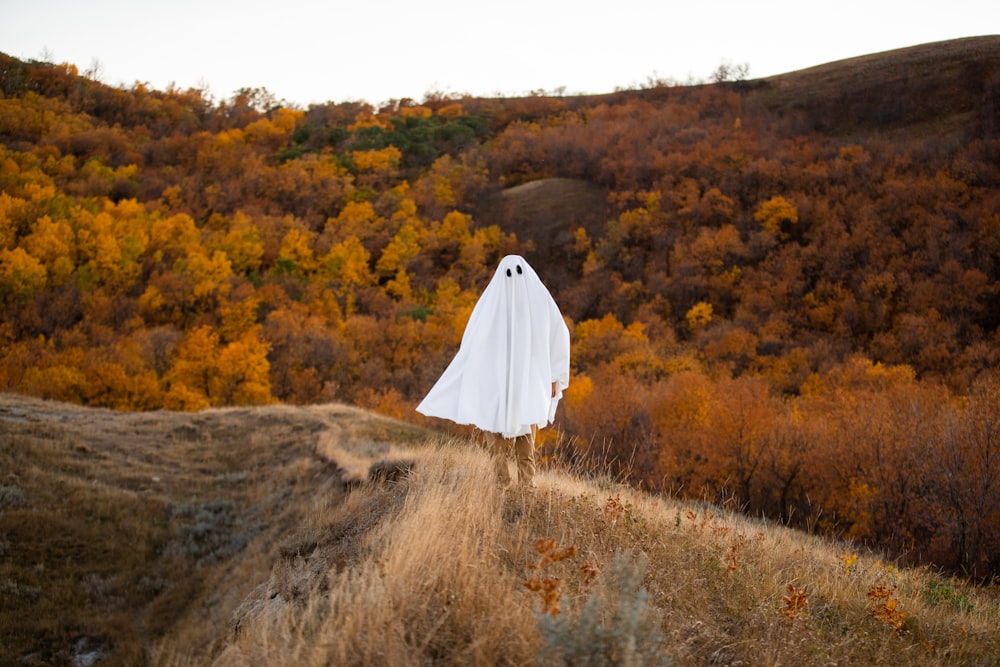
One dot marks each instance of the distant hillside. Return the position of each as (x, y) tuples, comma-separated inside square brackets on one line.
[(252, 536), (546, 213), (945, 89), (941, 92)]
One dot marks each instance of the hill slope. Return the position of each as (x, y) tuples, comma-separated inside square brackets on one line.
[(230, 537), (120, 529), (941, 89), (546, 212)]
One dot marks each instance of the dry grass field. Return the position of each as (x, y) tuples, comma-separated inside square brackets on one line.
[(257, 536), (118, 530)]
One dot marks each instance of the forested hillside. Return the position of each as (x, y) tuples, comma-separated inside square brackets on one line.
[(783, 294)]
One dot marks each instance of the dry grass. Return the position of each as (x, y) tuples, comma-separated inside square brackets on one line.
[(441, 580), (929, 91), (437, 567), (425, 583), (120, 531)]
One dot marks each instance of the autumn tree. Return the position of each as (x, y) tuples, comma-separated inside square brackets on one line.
[(194, 378), (775, 215), (21, 276), (966, 482)]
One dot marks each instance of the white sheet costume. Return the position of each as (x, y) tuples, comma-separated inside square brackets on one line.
[(515, 347)]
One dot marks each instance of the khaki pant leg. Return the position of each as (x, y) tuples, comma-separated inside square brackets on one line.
[(524, 450), (499, 449)]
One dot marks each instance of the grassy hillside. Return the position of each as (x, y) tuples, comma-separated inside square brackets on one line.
[(927, 91), (545, 213), (252, 536), (119, 530)]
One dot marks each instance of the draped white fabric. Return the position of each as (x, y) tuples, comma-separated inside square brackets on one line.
[(515, 346)]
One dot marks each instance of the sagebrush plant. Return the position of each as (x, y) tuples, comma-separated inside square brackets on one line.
[(614, 626), (12, 496), (209, 532), (947, 592)]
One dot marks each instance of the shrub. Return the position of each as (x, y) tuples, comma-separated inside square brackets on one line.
[(210, 531), (615, 626), (944, 592), (11, 496)]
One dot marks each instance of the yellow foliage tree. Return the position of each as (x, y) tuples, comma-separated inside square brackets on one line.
[(244, 373), (347, 263), (399, 286), (107, 381), (699, 316), (382, 160), (366, 119), (450, 111), (181, 397), (578, 391), (108, 261), (356, 220), (415, 112), (239, 319), (455, 227), (403, 247), (207, 278), (605, 340), (406, 209), (296, 250), (11, 211), (243, 245), (173, 238), (195, 376), (452, 308), (21, 275), (773, 213), (52, 243), (61, 382), (281, 124)]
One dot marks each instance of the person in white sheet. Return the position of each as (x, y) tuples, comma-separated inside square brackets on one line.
[(510, 370)]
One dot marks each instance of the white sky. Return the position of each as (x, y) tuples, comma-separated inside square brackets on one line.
[(308, 51)]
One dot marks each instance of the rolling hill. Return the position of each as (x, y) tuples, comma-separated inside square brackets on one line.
[(941, 93), (945, 89), (329, 535)]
